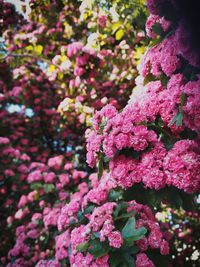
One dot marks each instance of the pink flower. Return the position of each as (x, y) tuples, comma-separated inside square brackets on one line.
[(32, 196), (78, 174), (143, 261), (62, 244), (103, 261), (33, 234), (9, 172), (97, 195), (164, 248), (16, 91), (155, 19), (23, 201), (49, 177), (106, 230), (34, 176), (191, 107), (21, 214), (182, 166), (36, 216), (4, 140), (48, 263), (64, 179), (74, 48), (78, 260), (78, 236), (68, 166), (10, 220), (115, 239), (102, 20), (55, 162), (142, 244), (155, 239), (50, 216)]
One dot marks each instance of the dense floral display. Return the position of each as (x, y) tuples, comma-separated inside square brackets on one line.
[(99, 134)]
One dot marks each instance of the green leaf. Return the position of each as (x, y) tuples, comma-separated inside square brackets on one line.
[(12, 260), (36, 186), (49, 188), (126, 215), (115, 259), (120, 207), (80, 215), (106, 159), (157, 28), (116, 26), (182, 99), (103, 124), (137, 234), (130, 262), (119, 34), (97, 235), (155, 41), (89, 209), (134, 249), (3, 54), (131, 234), (114, 195), (149, 78), (97, 248), (178, 119), (82, 247), (38, 49), (164, 79), (128, 228)]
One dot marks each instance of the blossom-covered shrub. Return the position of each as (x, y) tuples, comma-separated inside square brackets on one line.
[(97, 234), (78, 67), (154, 141)]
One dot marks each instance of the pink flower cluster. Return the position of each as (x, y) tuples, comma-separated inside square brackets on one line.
[(148, 167), (191, 107), (99, 221), (48, 263), (62, 245), (119, 133), (156, 238), (102, 221), (79, 260), (38, 226), (100, 190), (156, 20), (57, 171), (69, 212), (115, 132), (84, 59), (149, 170), (143, 261), (21, 249), (102, 21), (50, 216), (166, 56), (182, 166), (162, 58)]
